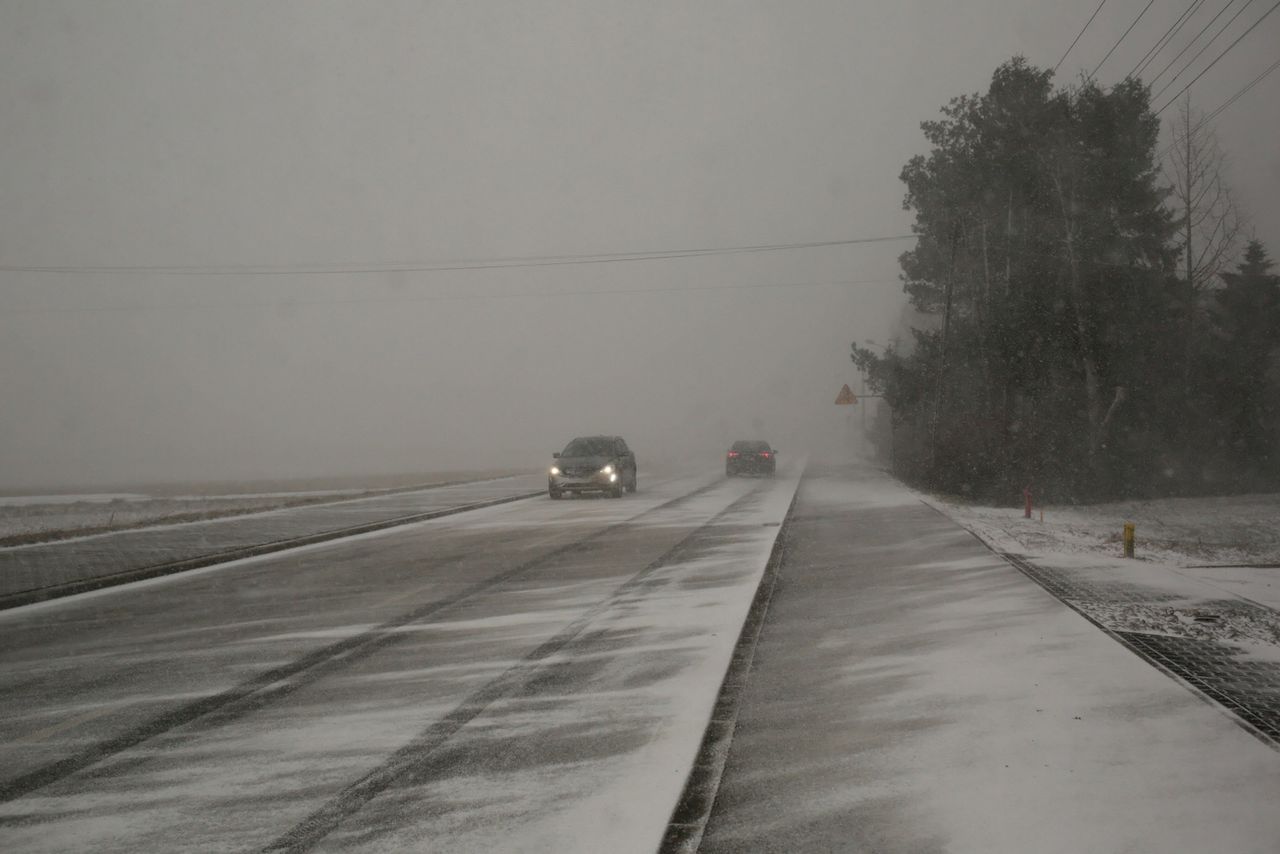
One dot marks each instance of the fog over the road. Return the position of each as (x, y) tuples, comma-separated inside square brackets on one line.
[(319, 144)]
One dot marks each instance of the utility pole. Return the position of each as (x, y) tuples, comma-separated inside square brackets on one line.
[(942, 356), (863, 400), (1187, 218), (1191, 283)]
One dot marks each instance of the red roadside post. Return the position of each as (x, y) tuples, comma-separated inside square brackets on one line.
[(1026, 493)]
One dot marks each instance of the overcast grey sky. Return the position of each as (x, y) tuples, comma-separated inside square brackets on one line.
[(287, 134)]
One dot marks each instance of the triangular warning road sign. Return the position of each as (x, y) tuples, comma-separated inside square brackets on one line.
[(846, 396)]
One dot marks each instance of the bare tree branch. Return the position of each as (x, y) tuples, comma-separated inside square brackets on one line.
[(1200, 199)]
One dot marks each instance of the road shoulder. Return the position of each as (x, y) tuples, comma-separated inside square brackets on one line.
[(913, 691)]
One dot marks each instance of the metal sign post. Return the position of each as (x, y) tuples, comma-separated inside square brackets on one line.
[(846, 397)]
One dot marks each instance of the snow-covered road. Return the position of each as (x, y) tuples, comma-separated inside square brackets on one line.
[(531, 676)]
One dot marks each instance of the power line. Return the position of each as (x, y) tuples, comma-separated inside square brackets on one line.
[(1200, 52), (1169, 35), (1123, 36), (143, 307), (1219, 57), (1240, 93), (426, 267), (1078, 35), (1196, 38), (1204, 120)]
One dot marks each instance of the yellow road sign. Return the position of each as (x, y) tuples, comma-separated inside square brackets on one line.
[(846, 396)]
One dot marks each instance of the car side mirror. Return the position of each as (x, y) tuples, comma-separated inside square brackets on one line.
[(556, 455), (775, 450)]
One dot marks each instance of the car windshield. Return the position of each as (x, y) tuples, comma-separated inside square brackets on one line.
[(594, 447)]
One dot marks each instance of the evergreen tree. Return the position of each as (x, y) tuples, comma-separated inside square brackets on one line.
[(1044, 257), (1246, 368)]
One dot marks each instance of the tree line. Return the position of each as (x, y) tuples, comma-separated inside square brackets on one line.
[(1086, 319)]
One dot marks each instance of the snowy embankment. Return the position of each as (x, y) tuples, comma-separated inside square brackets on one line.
[(1204, 568), (28, 519), (1233, 530), (31, 519)]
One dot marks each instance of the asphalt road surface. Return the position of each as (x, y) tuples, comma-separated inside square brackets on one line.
[(529, 676)]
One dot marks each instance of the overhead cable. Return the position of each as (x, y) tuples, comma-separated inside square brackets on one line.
[(1219, 57), (1196, 38), (1123, 36), (1169, 35), (426, 267), (1078, 35), (1204, 120), (482, 297)]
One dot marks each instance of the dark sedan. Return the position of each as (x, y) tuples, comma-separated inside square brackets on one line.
[(750, 457), (593, 464)]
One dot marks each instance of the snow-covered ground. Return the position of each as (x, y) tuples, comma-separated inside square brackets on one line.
[(35, 518), (1204, 569), (1221, 530)]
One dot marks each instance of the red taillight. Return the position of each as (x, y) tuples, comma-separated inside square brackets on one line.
[(764, 454), (733, 453)]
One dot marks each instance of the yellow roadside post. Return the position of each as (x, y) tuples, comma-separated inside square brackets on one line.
[(1128, 539)]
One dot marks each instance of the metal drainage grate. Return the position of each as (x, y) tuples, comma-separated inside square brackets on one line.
[(1245, 686), (1250, 689)]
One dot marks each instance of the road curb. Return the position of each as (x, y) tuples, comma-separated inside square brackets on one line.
[(42, 594), (688, 821)]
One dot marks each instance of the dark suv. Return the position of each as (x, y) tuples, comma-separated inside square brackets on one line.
[(750, 457), (593, 464)]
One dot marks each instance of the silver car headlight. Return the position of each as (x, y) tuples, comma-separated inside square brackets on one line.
[(607, 469), (555, 470)]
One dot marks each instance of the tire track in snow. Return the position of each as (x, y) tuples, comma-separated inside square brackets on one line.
[(274, 684), (415, 758)]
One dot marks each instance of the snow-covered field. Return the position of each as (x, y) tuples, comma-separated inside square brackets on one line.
[(36, 518), (31, 519), (1224, 530)]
